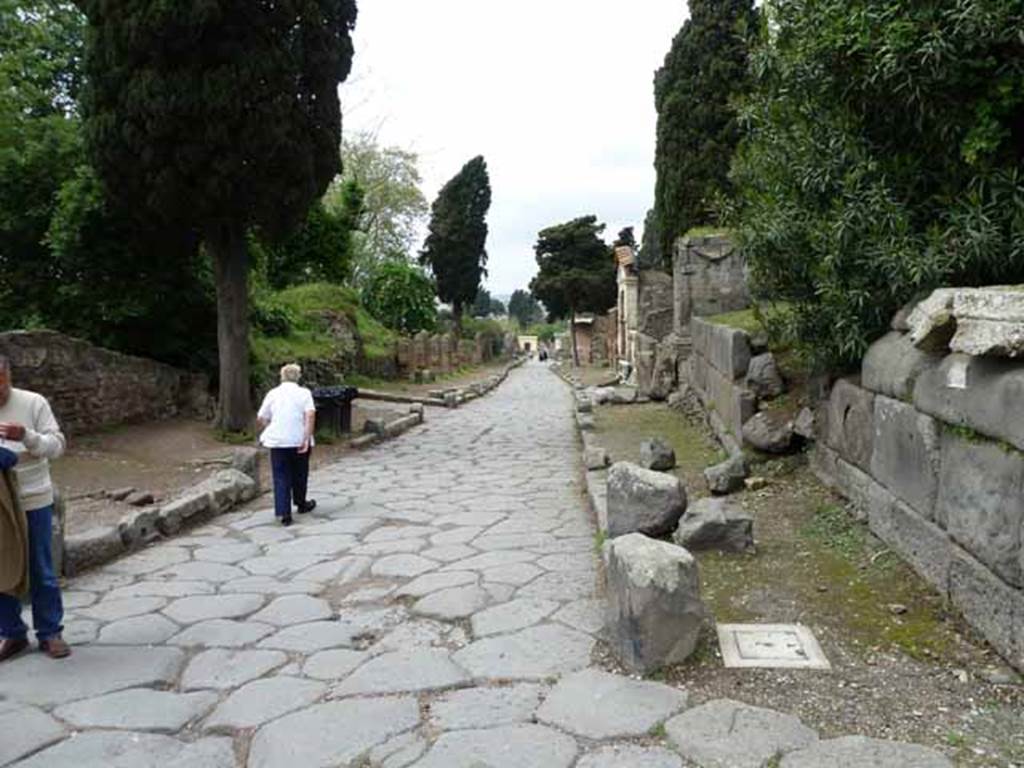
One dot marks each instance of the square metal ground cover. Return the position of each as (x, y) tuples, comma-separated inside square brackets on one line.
[(789, 646)]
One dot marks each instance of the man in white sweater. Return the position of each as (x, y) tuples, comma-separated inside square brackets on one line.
[(28, 427)]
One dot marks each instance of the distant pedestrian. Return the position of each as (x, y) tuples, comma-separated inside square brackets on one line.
[(29, 430), (287, 418)]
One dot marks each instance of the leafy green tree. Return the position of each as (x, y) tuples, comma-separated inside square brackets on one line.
[(498, 307), (401, 296), (482, 304), (217, 117), (885, 156), (697, 123), (393, 205), (455, 249), (524, 308), (576, 272)]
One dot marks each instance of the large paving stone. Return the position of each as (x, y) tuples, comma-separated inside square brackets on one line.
[(434, 582), (189, 610), (161, 589), (294, 609), (451, 604), (279, 565), (655, 609), (401, 671), (124, 749), (331, 734), (860, 751), (404, 565), (261, 701), (517, 574), (512, 616), (140, 709), (729, 733), (508, 746), (630, 756), (269, 585), (333, 665), (216, 573), (491, 560), (115, 610), (642, 500), (599, 705), (222, 633), (313, 546), (90, 671), (227, 553), (226, 669), (25, 729), (149, 560), (312, 637), (561, 585), (588, 615), (486, 707), (150, 629), (534, 653)]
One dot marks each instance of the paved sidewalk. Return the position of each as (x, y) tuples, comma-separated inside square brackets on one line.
[(437, 610)]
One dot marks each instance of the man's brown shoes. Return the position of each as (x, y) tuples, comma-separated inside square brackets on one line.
[(55, 647), (10, 647)]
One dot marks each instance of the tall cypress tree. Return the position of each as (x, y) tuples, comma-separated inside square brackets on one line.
[(455, 248), (697, 126), (214, 117)]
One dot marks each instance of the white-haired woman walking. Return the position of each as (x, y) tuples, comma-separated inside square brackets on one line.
[(287, 418)]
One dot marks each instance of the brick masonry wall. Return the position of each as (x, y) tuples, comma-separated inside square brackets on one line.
[(930, 449), (90, 387)]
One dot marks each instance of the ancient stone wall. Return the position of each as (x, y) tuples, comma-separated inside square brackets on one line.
[(930, 446), (90, 387), (717, 368), (709, 277)]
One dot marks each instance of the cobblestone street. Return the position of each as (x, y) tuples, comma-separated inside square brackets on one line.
[(437, 610)]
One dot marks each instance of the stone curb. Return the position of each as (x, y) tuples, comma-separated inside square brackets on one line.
[(453, 397)]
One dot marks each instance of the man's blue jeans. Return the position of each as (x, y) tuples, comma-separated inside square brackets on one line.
[(47, 607), (291, 476)]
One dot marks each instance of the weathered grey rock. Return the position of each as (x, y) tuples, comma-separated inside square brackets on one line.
[(641, 500), (714, 523), (261, 701), (804, 424), (657, 454), (534, 653), (189, 610), (980, 502), (139, 709), (117, 749), (247, 461), (93, 547), (486, 707), (599, 705), (989, 321), (769, 432), (584, 404), (139, 528), (726, 349), (399, 752), (26, 730), (508, 746), (630, 756), (654, 606), (335, 733), (294, 609), (905, 457), (623, 395), (149, 629), (931, 321), (418, 669), (512, 616), (664, 374), (849, 423), (454, 603), (729, 733), (893, 364), (585, 421), (90, 671), (989, 604), (595, 458), (859, 751), (174, 514), (728, 476), (226, 669), (763, 377)]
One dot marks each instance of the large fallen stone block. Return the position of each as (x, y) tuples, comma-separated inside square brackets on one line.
[(931, 321), (763, 377), (711, 523), (643, 501), (769, 432), (655, 609), (227, 488), (989, 321), (657, 454), (728, 476)]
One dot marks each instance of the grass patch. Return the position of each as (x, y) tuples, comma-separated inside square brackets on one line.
[(234, 438), (836, 529), (600, 537), (708, 232)]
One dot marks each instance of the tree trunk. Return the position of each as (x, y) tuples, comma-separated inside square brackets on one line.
[(572, 337), (231, 272), (457, 318)]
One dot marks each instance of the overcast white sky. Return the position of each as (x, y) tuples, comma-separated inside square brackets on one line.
[(557, 95)]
